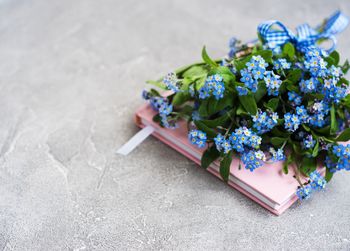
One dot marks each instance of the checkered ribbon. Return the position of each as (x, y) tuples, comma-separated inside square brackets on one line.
[(306, 36)]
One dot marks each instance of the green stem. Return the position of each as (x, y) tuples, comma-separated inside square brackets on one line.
[(284, 75), (284, 144), (228, 130), (297, 175), (327, 140), (283, 105)]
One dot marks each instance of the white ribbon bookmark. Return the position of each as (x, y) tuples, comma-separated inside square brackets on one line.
[(137, 139)]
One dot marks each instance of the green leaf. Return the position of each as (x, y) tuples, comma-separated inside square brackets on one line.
[(323, 131), (225, 167), (277, 141), (285, 167), (306, 128), (220, 120), (344, 136), (280, 121), (286, 163), (315, 151), (249, 104), (341, 114), (241, 111), (158, 84), (200, 83), (291, 86), (312, 96), (335, 56), (186, 110), (346, 101), (330, 61), (239, 64), (180, 98), (265, 54), (344, 81), (183, 69), (209, 156), (345, 67), (183, 96), (207, 59), (157, 118), (186, 82), (276, 132), (334, 126), (214, 106), (261, 92), (195, 71), (203, 108), (297, 149), (329, 175), (294, 75), (308, 165), (201, 126), (225, 72), (272, 104), (154, 92), (289, 50)]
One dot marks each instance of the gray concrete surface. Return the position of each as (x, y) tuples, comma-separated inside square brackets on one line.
[(71, 73)]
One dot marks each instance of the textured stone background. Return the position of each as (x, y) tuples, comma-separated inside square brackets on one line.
[(71, 73)]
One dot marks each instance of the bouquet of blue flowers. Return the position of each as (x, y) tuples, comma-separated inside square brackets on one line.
[(280, 98)]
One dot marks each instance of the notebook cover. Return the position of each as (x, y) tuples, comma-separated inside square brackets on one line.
[(268, 180)]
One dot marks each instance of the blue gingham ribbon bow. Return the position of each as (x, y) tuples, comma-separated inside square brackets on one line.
[(306, 36)]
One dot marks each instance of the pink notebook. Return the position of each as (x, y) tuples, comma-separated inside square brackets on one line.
[(267, 185)]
